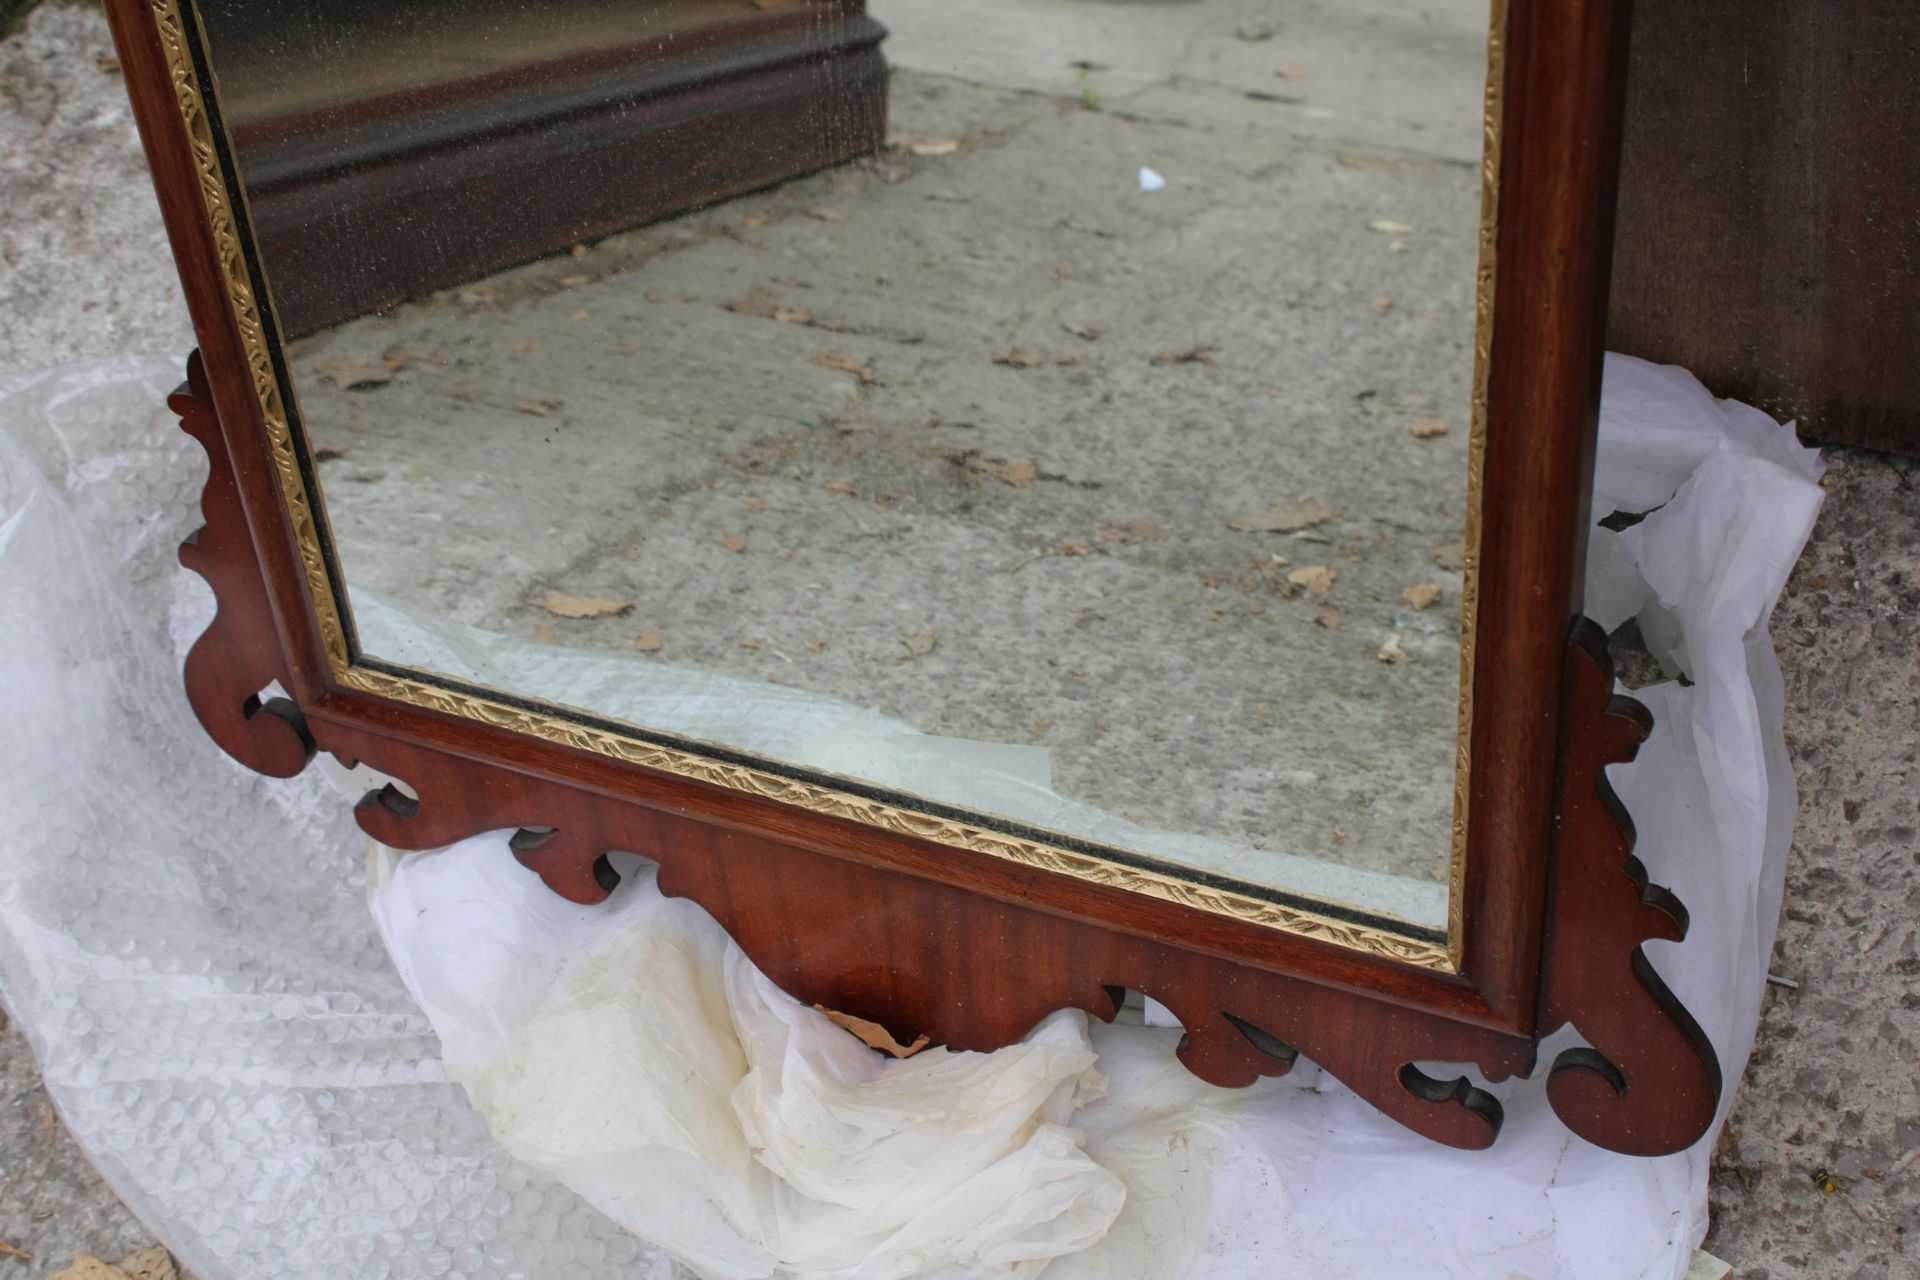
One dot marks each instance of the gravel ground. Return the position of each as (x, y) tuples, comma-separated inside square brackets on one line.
[(1818, 1175)]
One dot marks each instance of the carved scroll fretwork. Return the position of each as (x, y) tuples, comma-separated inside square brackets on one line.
[(239, 655), (1647, 1082)]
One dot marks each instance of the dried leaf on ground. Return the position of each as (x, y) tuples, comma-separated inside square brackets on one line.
[(1018, 359), (764, 306), (1428, 428), (734, 543), (921, 145), (575, 280), (918, 646), (1019, 474), (88, 1267), (1451, 555), (1317, 578), (1086, 332), (846, 364), (1328, 618), (539, 408), (648, 642), (1422, 595), (350, 374), (8, 1251), (562, 605), (1382, 304), (1131, 532), (1198, 355), (1392, 652), (150, 1264), (1286, 518), (873, 1034), (1257, 34)]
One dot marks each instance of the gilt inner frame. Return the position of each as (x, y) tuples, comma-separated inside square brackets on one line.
[(249, 302)]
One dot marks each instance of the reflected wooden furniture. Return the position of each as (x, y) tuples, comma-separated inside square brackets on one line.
[(587, 127)]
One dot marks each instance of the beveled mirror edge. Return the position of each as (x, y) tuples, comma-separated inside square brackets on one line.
[(1371, 932)]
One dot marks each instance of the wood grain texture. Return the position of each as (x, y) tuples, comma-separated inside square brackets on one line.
[(529, 161), (1560, 150), (1770, 208)]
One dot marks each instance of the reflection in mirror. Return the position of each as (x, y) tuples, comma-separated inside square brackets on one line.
[(1057, 409)]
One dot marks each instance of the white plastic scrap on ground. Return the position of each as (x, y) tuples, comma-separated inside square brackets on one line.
[(188, 947)]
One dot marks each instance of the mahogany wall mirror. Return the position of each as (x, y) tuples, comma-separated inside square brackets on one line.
[(1005, 501)]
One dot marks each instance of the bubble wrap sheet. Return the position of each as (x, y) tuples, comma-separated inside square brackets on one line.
[(189, 949), (186, 944)]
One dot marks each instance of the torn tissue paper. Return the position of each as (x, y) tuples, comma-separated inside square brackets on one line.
[(188, 948), (631, 1050)]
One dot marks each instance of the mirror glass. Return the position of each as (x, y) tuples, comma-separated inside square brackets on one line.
[(1057, 410)]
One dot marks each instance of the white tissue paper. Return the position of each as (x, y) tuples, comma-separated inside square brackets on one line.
[(188, 949)]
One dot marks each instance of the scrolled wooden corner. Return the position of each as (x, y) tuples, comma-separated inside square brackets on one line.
[(238, 656), (1647, 1081)]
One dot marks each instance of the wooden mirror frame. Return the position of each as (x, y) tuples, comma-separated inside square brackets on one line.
[(887, 913)]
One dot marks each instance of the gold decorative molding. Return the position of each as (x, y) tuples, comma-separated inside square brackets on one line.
[(1483, 294), (245, 309), (247, 314), (817, 798)]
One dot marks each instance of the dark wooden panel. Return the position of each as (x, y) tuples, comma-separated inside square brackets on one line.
[(1560, 147), (360, 205), (1769, 227)]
